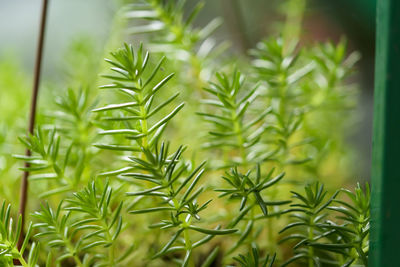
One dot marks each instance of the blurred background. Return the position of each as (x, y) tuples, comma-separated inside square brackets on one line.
[(246, 23)]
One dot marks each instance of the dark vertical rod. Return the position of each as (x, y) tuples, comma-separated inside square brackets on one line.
[(385, 198), (32, 114)]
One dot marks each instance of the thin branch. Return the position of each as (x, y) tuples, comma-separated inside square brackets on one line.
[(32, 114)]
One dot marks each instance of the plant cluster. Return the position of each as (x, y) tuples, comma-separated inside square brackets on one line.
[(198, 168)]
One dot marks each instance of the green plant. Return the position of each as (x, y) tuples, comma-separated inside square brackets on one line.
[(9, 235), (232, 103), (309, 216), (120, 176), (253, 259)]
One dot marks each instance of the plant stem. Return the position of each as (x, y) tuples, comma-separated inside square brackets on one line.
[(252, 229), (310, 248), (34, 100), (186, 234), (188, 246), (22, 261), (294, 17), (72, 251), (144, 127), (188, 242), (363, 257), (143, 113), (111, 255), (240, 139)]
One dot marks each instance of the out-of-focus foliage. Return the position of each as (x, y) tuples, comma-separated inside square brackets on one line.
[(186, 156), (13, 106)]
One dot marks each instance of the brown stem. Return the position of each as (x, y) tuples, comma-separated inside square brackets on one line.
[(32, 114)]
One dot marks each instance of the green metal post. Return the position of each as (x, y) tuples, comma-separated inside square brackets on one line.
[(385, 202)]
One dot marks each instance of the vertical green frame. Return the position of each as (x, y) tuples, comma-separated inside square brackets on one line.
[(385, 201)]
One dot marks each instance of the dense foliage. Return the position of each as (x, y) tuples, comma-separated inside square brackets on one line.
[(186, 156)]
